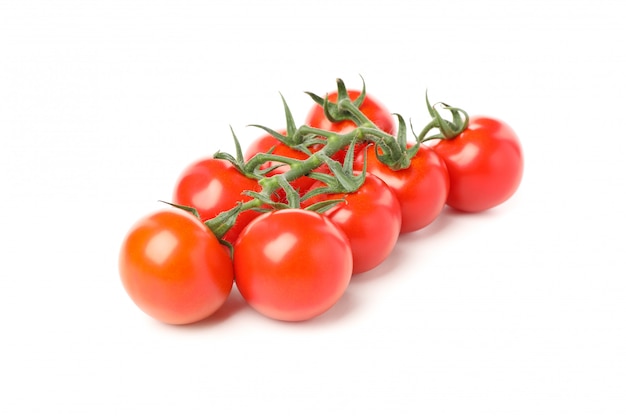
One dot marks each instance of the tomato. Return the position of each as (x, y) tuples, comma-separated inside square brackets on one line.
[(212, 186), (292, 264), (370, 217), (422, 188), (264, 144), (485, 163), (374, 110), (174, 268)]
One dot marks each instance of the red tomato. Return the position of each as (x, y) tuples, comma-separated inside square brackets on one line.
[(371, 108), (174, 268), (422, 188), (371, 219), (485, 163), (212, 186), (292, 264), (263, 145)]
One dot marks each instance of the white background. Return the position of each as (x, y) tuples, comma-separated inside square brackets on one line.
[(518, 311)]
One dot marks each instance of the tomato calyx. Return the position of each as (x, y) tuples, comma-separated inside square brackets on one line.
[(238, 160), (393, 150), (446, 129), (400, 157), (344, 108), (294, 138), (341, 178), (219, 225)]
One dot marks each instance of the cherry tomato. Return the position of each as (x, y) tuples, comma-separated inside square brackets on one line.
[(370, 217), (292, 264), (174, 268), (264, 144), (422, 188), (485, 163), (212, 186), (371, 108)]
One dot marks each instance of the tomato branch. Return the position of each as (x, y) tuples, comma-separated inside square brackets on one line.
[(391, 150)]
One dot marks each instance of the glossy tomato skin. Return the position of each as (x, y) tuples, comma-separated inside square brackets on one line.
[(370, 217), (485, 163), (174, 268), (421, 189), (212, 186), (374, 110), (292, 264)]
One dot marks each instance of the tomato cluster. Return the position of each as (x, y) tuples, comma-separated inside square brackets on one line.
[(294, 217)]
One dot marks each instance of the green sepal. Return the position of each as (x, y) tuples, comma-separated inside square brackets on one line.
[(218, 225), (223, 222), (322, 206), (383, 157), (279, 136), (412, 150), (289, 122), (342, 179), (404, 159), (342, 93), (188, 209), (361, 98), (330, 109), (460, 118), (266, 201), (448, 129), (229, 246), (260, 159), (237, 161), (348, 162), (327, 189), (293, 197), (402, 141), (333, 111), (312, 140), (337, 169)]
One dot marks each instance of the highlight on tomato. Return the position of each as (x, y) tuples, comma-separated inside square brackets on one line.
[(422, 188), (292, 264), (212, 186), (370, 217), (485, 164), (174, 268)]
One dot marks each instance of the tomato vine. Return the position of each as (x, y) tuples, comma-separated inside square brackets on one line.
[(393, 150), (365, 185)]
